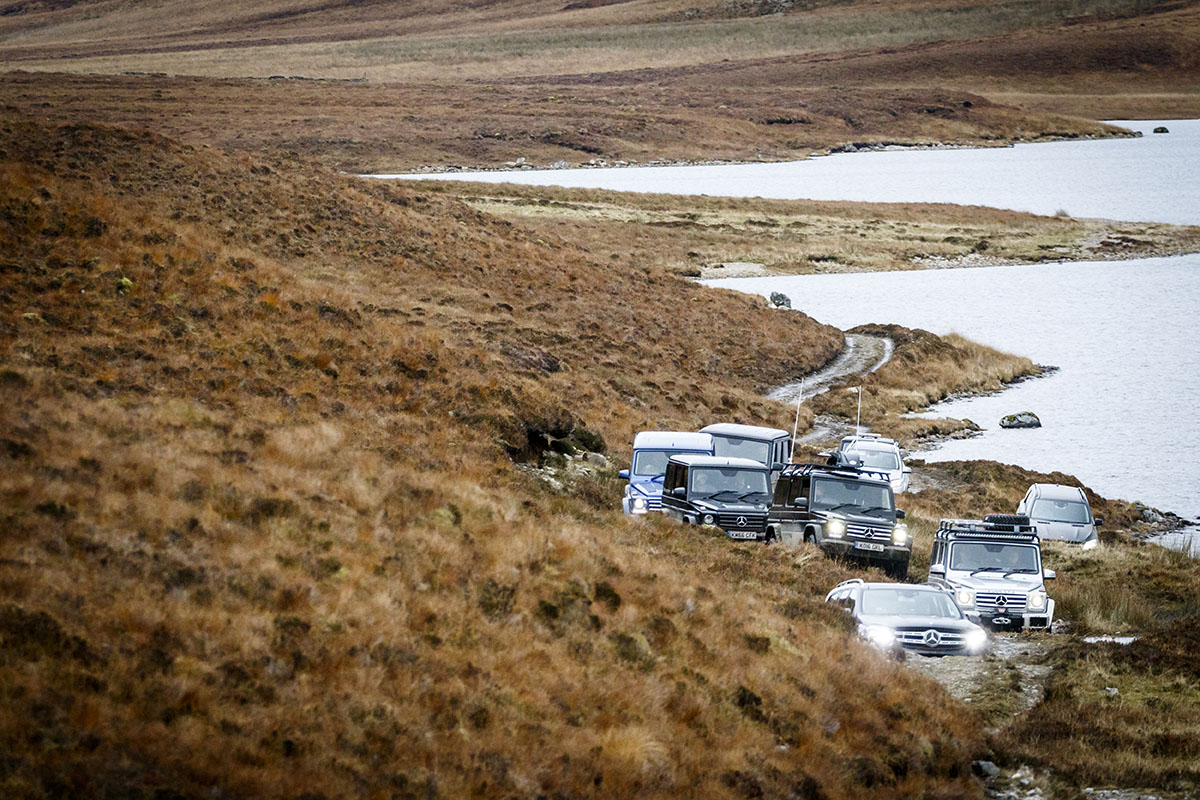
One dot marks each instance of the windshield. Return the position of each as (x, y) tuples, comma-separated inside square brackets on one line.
[(908, 603), (879, 459), (1061, 511), (988, 557), (730, 483), (857, 497), (654, 462), (741, 448)]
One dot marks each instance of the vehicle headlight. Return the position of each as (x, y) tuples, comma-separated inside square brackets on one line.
[(965, 597), (976, 640), (639, 503), (880, 636), (708, 519), (1037, 601), (835, 528), (1090, 543), (900, 534)]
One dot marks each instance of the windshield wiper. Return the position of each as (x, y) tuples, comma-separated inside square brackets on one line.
[(839, 505), (1023, 571), (749, 494), (715, 495), (876, 508), (988, 569)]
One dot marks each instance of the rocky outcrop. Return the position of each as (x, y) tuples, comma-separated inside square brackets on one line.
[(1025, 419)]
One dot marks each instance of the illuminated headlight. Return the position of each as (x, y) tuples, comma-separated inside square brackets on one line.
[(976, 640), (900, 534), (878, 635), (1091, 543), (965, 597), (708, 519), (835, 529), (1037, 601), (639, 504)]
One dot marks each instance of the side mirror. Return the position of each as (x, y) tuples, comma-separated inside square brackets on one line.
[(778, 465), (1098, 521), (907, 470), (900, 513), (800, 502), (679, 491), (1049, 574), (937, 569), (623, 474)]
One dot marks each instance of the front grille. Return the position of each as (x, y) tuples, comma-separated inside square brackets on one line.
[(920, 638), (751, 522), (868, 533), (991, 603), (654, 504)]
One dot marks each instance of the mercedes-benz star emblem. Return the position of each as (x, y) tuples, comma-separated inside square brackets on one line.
[(1002, 601), (741, 522), (932, 638)]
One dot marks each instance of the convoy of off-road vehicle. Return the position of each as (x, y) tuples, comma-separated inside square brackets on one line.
[(983, 574)]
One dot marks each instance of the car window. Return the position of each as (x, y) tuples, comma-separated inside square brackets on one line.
[(879, 459), (742, 448), (729, 482), (838, 494), (1072, 511), (994, 557), (908, 603)]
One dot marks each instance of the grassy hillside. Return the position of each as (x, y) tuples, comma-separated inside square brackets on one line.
[(264, 534)]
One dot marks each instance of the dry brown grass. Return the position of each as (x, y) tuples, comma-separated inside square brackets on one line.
[(684, 233), (263, 532)]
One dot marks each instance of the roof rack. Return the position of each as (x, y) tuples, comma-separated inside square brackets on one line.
[(800, 470), (978, 529), (847, 583)]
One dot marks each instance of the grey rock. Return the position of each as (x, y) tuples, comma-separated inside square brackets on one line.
[(1161, 129), (1112, 691), (780, 300), (595, 458), (1024, 419), (985, 769)]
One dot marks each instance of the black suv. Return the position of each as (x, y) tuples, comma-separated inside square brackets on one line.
[(848, 511), (733, 494)]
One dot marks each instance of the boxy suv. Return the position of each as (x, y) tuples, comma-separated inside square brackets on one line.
[(994, 567), (848, 512), (1060, 512), (769, 446), (877, 453), (918, 619), (651, 451), (733, 494)]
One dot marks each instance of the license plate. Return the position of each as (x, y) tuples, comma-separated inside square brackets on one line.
[(743, 535), (872, 546)]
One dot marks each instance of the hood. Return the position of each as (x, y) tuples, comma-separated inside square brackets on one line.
[(996, 582), (647, 488), (857, 519), (1065, 531), (732, 508), (896, 622)]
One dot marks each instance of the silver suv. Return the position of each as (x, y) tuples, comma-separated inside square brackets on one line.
[(1062, 513), (900, 616), (879, 455), (994, 567)]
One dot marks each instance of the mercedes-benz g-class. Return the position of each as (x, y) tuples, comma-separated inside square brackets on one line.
[(769, 446), (880, 454), (651, 451), (733, 494), (848, 512), (994, 567)]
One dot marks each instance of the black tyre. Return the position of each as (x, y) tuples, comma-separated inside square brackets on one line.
[(1007, 519)]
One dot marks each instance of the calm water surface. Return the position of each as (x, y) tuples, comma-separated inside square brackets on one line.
[(1122, 414), (1154, 178)]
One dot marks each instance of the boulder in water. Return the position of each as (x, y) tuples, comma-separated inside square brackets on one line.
[(1025, 419), (1161, 129), (780, 300)]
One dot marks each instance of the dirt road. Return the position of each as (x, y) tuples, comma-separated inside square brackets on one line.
[(863, 355)]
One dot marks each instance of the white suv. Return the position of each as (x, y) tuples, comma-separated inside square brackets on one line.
[(1062, 513), (878, 455)]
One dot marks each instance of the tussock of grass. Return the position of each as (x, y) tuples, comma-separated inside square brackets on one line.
[(263, 531)]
